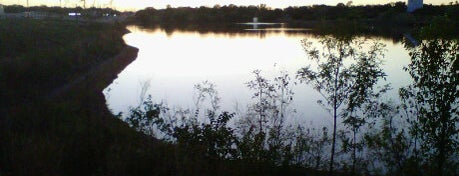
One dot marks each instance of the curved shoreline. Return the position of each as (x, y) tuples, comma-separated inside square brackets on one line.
[(106, 72)]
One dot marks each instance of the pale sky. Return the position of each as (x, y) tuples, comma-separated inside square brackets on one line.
[(140, 4)]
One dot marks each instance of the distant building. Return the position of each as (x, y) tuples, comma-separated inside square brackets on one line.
[(414, 5)]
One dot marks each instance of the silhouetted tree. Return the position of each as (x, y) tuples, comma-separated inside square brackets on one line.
[(433, 99), (283, 96), (264, 96), (345, 75)]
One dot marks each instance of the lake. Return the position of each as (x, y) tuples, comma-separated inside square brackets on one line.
[(171, 62)]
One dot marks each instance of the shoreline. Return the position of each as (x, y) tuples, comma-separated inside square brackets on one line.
[(126, 56)]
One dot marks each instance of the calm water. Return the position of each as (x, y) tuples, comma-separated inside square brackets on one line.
[(171, 63)]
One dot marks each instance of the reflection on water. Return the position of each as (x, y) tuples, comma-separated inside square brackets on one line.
[(174, 61)]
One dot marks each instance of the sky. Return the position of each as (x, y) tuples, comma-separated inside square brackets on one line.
[(124, 5)]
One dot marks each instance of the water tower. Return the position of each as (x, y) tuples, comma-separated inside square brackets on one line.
[(414, 5)]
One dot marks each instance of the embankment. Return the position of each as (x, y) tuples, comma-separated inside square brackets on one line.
[(54, 119)]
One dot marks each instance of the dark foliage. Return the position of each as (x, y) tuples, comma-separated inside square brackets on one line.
[(370, 15), (58, 10), (433, 102)]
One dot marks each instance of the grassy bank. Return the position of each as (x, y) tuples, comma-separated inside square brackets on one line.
[(37, 56), (54, 119)]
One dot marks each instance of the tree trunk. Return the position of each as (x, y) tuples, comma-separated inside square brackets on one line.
[(353, 152), (335, 108), (332, 157), (441, 153)]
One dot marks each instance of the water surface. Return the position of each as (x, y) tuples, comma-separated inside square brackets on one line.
[(171, 63)]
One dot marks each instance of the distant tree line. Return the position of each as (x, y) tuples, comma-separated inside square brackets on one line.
[(391, 12), (58, 10)]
